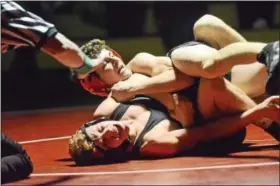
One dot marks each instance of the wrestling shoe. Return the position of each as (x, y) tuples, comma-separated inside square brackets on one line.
[(269, 56)]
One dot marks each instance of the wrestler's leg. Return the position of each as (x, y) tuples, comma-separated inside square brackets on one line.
[(205, 61), (251, 78), (227, 99), (222, 98), (228, 125), (214, 31), (233, 49)]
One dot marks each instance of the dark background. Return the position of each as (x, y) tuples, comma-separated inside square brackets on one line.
[(32, 80)]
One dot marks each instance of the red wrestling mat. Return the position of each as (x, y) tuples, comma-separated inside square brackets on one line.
[(45, 137)]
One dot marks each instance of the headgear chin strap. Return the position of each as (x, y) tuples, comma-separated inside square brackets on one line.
[(116, 54)]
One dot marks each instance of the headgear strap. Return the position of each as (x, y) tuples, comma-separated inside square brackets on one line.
[(94, 85)]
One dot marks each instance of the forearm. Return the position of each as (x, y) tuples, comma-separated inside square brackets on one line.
[(64, 50), (168, 81), (234, 54), (70, 55), (23, 28)]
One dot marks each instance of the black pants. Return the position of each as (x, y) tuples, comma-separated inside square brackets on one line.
[(248, 12), (175, 20), (225, 145), (125, 19), (15, 163)]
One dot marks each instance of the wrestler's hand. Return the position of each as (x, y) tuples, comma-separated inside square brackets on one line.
[(122, 91), (90, 65), (181, 107), (270, 108)]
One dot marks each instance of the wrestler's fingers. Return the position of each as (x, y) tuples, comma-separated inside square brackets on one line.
[(111, 59), (175, 99), (275, 99)]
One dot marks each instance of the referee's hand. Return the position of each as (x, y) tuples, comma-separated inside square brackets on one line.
[(90, 65)]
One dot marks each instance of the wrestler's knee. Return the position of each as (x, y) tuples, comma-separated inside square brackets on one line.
[(208, 29), (209, 67), (203, 65), (206, 19)]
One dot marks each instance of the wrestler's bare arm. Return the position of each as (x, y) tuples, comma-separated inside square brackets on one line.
[(106, 108), (165, 98), (164, 77)]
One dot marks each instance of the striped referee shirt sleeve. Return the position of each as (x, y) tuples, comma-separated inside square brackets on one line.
[(22, 28)]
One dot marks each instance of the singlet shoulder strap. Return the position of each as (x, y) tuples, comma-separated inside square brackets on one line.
[(155, 118), (189, 43), (119, 112)]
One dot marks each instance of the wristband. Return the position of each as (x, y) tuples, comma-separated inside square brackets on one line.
[(86, 67)]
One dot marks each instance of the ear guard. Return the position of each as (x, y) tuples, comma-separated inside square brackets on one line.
[(92, 84)]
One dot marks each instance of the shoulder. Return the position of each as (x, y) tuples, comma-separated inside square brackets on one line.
[(146, 63), (142, 63), (106, 108), (142, 58)]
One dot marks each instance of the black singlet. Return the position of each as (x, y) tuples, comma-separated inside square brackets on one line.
[(158, 113), (192, 92)]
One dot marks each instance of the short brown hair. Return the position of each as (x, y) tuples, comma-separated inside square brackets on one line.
[(80, 149), (94, 47)]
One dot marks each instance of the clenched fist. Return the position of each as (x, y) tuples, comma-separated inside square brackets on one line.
[(122, 91)]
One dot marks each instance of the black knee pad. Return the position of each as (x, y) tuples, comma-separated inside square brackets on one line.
[(269, 56)]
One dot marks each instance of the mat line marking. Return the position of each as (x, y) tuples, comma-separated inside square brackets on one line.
[(47, 110), (44, 139), (67, 137), (264, 140), (157, 170)]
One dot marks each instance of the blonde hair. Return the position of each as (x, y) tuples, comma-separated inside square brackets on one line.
[(94, 47), (80, 149)]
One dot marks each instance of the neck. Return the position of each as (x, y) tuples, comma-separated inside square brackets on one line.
[(132, 134)]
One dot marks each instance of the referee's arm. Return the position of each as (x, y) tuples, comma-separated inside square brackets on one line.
[(22, 28)]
